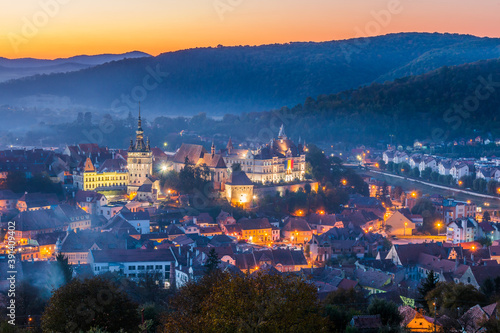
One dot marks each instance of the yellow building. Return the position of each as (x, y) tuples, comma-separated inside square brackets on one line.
[(258, 231), (111, 175), (296, 230), (415, 321), (239, 190)]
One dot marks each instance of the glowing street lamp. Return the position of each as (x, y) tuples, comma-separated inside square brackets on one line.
[(439, 227), (344, 182)]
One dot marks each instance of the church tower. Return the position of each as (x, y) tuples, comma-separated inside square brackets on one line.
[(139, 159)]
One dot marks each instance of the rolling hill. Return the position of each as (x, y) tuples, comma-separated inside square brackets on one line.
[(23, 67), (248, 78)]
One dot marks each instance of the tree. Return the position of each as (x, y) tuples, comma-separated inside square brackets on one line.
[(434, 176), (405, 168), (63, 268), (427, 286), (492, 186), (236, 167), (212, 262), (398, 192), (450, 296), (426, 173), (388, 311), (391, 166), (485, 241), (415, 172), (381, 165), (245, 303), (96, 302), (486, 216)]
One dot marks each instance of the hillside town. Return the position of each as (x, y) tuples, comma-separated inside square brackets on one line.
[(114, 212)]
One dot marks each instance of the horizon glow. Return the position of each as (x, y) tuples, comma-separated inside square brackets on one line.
[(63, 28)]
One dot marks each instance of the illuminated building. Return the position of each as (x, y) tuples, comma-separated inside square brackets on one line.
[(111, 175), (278, 160), (139, 159), (239, 189)]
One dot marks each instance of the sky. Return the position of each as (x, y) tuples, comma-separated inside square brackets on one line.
[(62, 28)]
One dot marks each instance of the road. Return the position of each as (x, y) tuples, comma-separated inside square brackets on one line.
[(409, 184)]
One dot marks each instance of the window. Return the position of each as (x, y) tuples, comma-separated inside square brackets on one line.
[(140, 268), (159, 267), (131, 268), (149, 267)]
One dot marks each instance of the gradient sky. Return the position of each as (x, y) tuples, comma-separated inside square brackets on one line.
[(156, 26)]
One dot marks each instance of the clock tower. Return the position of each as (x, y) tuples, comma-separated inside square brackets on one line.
[(139, 159)]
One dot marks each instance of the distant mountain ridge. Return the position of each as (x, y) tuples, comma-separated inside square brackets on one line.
[(244, 79), (23, 67)]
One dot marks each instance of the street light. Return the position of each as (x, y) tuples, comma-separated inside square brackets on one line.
[(439, 227)]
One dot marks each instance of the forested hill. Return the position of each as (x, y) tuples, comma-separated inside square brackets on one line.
[(448, 103), (242, 79)]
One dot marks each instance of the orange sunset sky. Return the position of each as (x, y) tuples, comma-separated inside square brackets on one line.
[(62, 28)]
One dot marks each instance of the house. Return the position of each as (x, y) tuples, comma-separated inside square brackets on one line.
[(90, 201), (8, 201), (474, 319), (284, 260), (373, 281), (415, 321), (400, 224), (75, 217), (110, 210), (445, 269), (341, 241), (134, 263), (47, 243), (321, 223), (462, 230), (139, 220), (296, 230), (366, 323), (444, 167), (427, 162), (415, 160), (149, 190), (459, 170), (388, 156), (488, 174), (258, 231), (32, 222), (452, 209), (36, 201), (76, 245)]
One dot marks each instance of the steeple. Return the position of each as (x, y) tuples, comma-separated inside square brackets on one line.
[(139, 122), (229, 146), (213, 149), (139, 136), (281, 134)]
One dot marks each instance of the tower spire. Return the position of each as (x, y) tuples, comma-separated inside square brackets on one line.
[(139, 123)]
